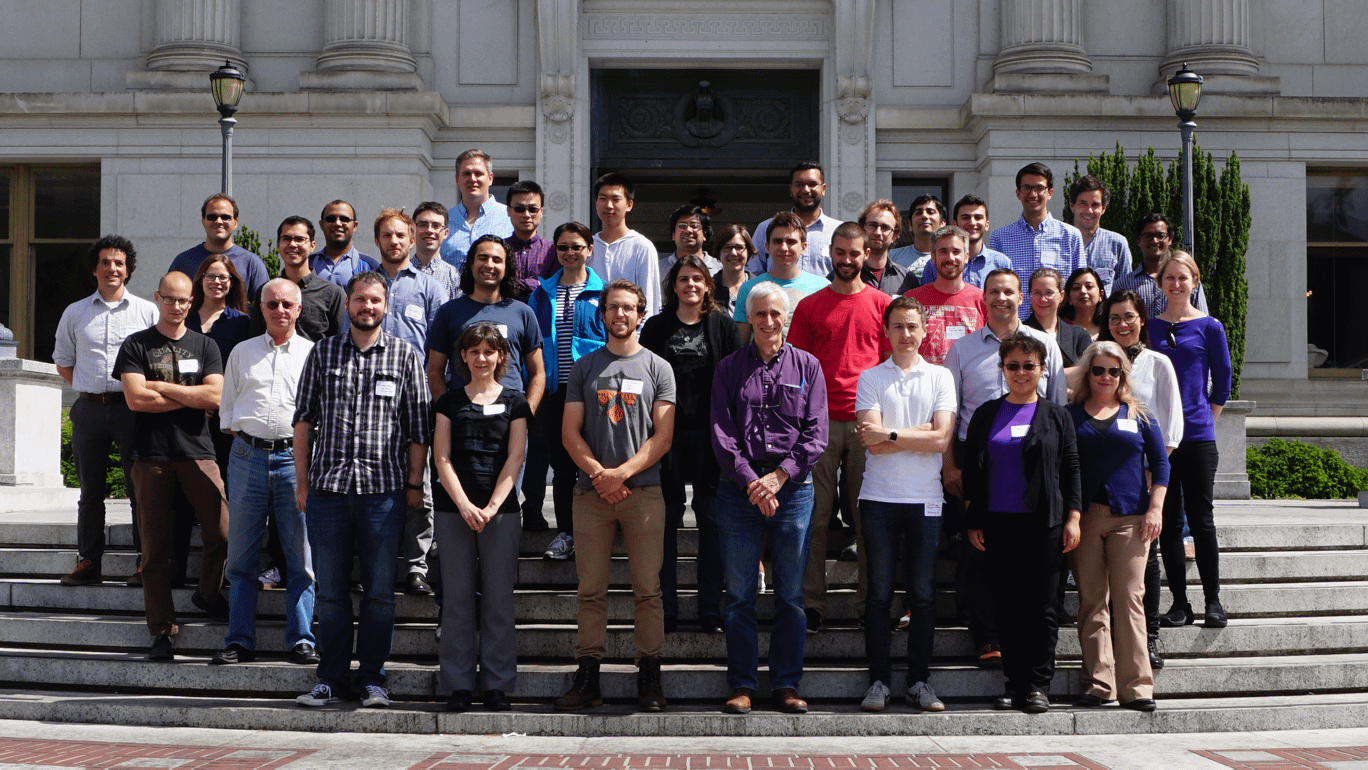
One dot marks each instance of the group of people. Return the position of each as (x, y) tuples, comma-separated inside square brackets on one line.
[(387, 411)]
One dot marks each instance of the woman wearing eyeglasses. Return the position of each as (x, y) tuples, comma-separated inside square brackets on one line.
[(733, 246), (1196, 344), (217, 309), (1023, 498), (567, 308), (1083, 301), (1118, 442), (1046, 295)]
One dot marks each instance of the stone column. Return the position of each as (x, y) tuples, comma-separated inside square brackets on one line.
[(1042, 48), (365, 46), (194, 38), (30, 424), (1232, 477), (562, 111), (850, 175), (1213, 38)]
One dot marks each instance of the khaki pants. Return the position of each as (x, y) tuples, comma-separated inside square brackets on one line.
[(641, 517), (843, 448), (156, 484), (1109, 566)]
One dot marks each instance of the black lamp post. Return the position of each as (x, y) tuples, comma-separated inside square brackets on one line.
[(1185, 91), (226, 83)]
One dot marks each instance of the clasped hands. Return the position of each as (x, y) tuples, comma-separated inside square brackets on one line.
[(764, 491), (609, 483)]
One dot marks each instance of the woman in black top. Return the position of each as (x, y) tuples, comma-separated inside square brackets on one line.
[(1046, 293), (733, 246), (1083, 301), (477, 450), (692, 335)]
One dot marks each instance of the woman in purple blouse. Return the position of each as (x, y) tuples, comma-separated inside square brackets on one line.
[(1196, 344)]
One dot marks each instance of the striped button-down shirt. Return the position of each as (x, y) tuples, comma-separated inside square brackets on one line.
[(368, 406), (492, 220), (259, 384), (442, 272), (90, 334), (1054, 244), (1142, 283), (1109, 254), (414, 299)]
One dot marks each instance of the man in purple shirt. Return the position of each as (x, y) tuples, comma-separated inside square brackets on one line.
[(530, 252), (769, 427), (219, 217)]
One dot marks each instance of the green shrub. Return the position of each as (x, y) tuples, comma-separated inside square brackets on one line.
[(114, 477), (1290, 469), (250, 240)]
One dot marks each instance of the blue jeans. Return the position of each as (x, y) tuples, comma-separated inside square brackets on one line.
[(742, 529), (262, 482), (886, 525), (373, 524)]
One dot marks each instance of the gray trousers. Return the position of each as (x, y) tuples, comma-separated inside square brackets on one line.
[(481, 567), (93, 426), (416, 547)]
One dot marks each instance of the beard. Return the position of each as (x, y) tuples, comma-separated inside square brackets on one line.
[(847, 272), (365, 324), (950, 271)]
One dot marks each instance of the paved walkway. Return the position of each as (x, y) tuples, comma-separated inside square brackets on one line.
[(45, 745)]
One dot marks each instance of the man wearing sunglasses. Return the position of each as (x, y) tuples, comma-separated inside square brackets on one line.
[(339, 260), (219, 218), (530, 253), (323, 304)]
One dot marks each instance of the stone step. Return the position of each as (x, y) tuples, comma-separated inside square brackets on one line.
[(953, 644), (131, 672)]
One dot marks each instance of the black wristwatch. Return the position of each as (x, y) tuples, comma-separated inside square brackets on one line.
[(892, 435), (414, 487)]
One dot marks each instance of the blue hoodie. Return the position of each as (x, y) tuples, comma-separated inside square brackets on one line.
[(589, 332)]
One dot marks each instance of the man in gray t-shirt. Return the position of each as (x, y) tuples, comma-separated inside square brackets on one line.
[(619, 420)]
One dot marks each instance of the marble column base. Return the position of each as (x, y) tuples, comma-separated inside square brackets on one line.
[(359, 80), (1051, 82)]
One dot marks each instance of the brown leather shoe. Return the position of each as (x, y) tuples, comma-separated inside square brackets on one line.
[(87, 573), (740, 702), (787, 701), (135, 580)]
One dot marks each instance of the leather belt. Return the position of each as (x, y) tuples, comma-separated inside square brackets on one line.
[(112, 397), (270, 446)]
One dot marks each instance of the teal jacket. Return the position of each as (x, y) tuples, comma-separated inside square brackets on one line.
[(589, 332)]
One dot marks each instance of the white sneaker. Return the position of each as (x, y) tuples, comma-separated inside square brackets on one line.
[(905, 621), (923, 697), (760, 586), (876, 697), (375, 697), (320, 695), (562, 548)]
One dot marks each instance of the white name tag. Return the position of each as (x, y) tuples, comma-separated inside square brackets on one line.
[(1129, 426), (954, 332), (414, 311), (631, 386), (934, 509), (503, 330), (491, 409), (187, 365), (385, 388), (1019, 431)]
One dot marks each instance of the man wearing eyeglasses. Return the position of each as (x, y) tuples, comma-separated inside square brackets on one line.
[(1155, 233), (172, 377), (882, 223), (691, 231), (257, 407), (1037, 239), (323, 304), (219, 217), (431, 221), (477, 213), (339, 260), (531, 254)]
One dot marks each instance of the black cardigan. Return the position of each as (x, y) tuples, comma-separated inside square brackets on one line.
[(1050, 457), (1073, 340)]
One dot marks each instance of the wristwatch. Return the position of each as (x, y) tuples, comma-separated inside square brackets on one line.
[(892, 435), (414, 487)]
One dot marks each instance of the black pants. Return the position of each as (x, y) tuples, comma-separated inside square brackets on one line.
[(1024, 557), (544, 450), (1193, 473)]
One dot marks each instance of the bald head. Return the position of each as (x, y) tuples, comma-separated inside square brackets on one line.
[(174, 282), (173, 297)]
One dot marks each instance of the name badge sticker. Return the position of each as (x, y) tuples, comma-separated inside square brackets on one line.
[(1128, 425), (632, 386), (934, 509), (414, 312), (385, 388), (187, 365), (492, 409), (954, 332), (503, 330), (1019, 431)]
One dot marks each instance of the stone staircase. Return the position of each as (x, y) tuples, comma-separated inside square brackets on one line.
[(1295, 580)]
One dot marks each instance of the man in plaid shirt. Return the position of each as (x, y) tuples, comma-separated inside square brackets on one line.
[(364, 395)]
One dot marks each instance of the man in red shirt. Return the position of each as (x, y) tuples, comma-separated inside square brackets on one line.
[(842, 326), (953, 308)]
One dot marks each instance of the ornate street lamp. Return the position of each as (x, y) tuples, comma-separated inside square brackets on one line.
[(1185, 91), (226, 83)]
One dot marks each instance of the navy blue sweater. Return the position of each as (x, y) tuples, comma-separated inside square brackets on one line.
[(1118, 459)]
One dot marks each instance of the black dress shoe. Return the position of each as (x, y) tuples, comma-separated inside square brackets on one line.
[(814, 620), (671, 623), (1156, 660), (459, 701), (416, 585), (1215, 615), (304, 654), (1035, 703), (496, 700), (1005, 702), (849, 553), (216, 607), (1089, 701), (1140, 704), (536, 523), (710, 625), (233, 653), (163, 648), (1178, 615)]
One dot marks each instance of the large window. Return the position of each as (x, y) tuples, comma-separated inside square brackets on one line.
[(49, 216), (1337, 266)]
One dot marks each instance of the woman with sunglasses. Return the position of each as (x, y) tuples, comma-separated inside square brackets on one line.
[(733, 246), (1044, 288), (1023, 497), (566, 306), (1118, 443), (1196, 344), (1083, 301)]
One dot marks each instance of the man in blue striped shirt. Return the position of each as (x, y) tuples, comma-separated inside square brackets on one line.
[(477, 213), (1107, 251), (1037, 239)]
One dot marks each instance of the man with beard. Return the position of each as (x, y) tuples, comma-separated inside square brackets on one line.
[(339, 260), (219, 218), (323, 311), (1107, 252), (415, 299), (971, 215), (807, 187), (925, 216), (430, 220), (691, 231), (363, 395), (842, 327), (619, 422), (1155, 233), (953, 307), (882, 223), (787, 241)]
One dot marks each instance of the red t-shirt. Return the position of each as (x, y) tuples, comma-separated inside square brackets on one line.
[(948, 317), (845, 333)]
